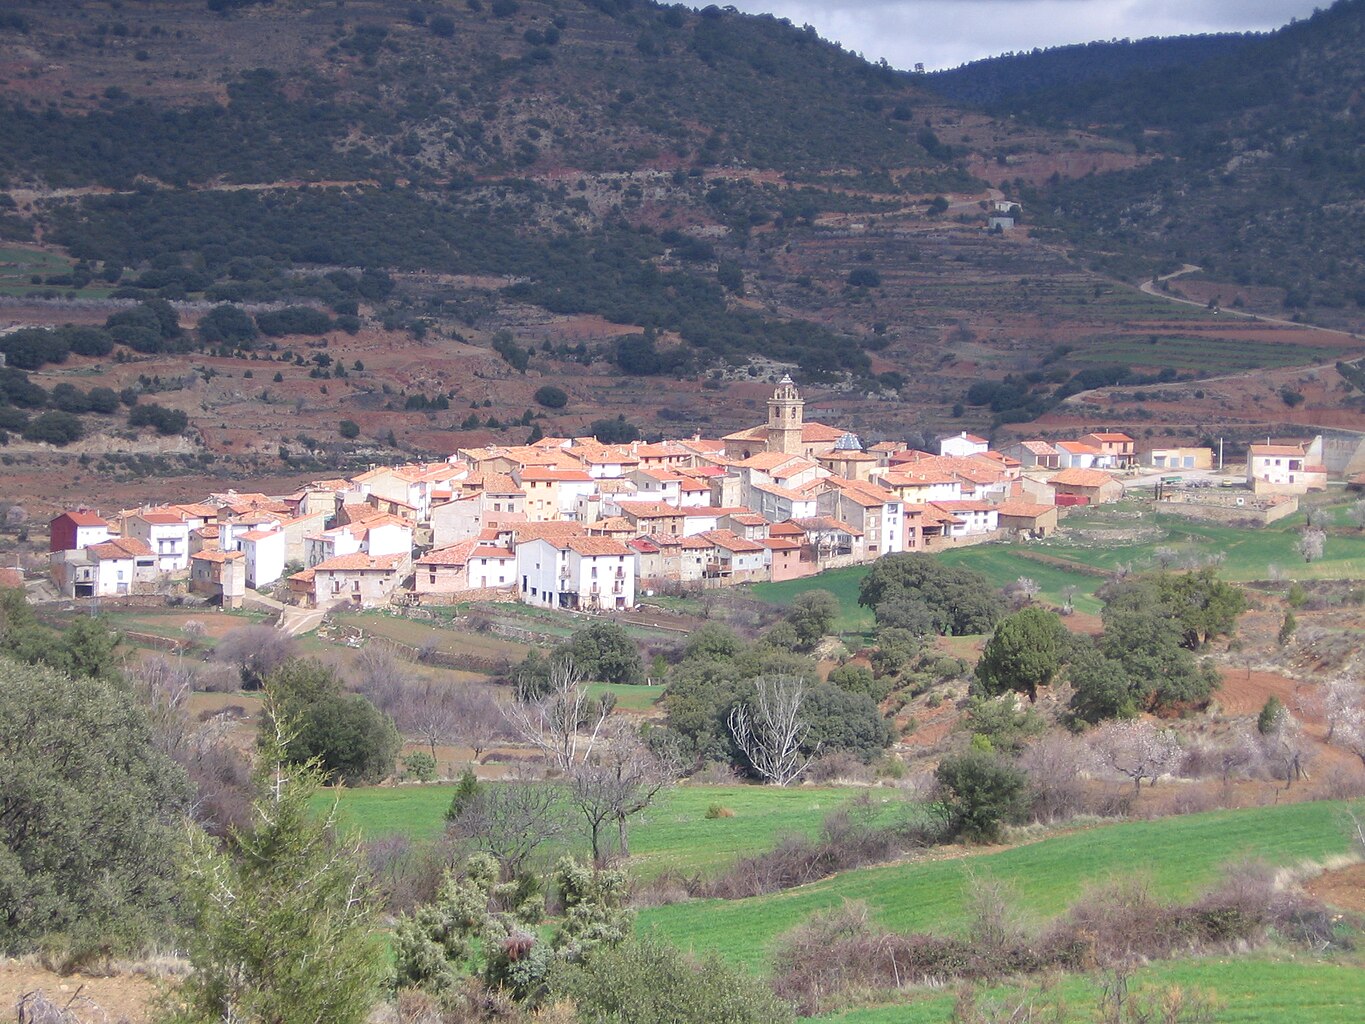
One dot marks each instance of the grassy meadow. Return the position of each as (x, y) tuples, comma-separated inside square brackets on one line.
[(1179, 855), (675, 833), (1249, 990)]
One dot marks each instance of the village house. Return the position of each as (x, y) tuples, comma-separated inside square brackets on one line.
[(265, 556), (963, 444), (1034, 454), (1027, 518), (1080, 455), (358, 580), (1286, 468), (166, 535), (72, 531), (220, 575), (652, 518), (464, 517), (111, 568), (1085, 487), (553, 494), (734, 559), (1120, 449), (577, 573), (464, 567), (970, 518)]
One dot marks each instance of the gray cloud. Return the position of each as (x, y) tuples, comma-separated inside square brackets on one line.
[(945, 33)]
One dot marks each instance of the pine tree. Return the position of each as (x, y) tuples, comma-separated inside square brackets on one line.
[(283, 917)]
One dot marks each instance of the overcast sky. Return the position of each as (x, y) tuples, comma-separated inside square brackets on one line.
[(945, 33)]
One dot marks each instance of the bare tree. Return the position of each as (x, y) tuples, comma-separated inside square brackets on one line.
[(563, 725), (511, 820), (382, 677), (1311, 544), (429, 711), (1056, 763), (163, 687), (1356, 513), (772, 731), (1286, 748), (1165, 557), (1136, 750), (479, 718), (1343, 706), (620, 780), (256, 651)]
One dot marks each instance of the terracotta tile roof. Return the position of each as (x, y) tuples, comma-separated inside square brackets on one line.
[(649, 509), (1112, 438), (1038, 447), (1081, 478), (1078, 448), (1024, 509), (1291, 450), (119, 547), (195, 510), (826, 523), (547, 474), (593, 546), (931, 516), (216, 556), (487, 480), (526, 532), (255, 535), (161, 518), (953, 507), (643, 545), (779, 544), (208, 531), (360, 562), (82, 518), (768, 460), (965, 437), (731, 542), (747, 518), (887, 447), (612, 524), (453, 554)]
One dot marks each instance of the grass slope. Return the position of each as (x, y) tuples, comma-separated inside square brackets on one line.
[(675, 833), (1251, 990), (1180, 854)]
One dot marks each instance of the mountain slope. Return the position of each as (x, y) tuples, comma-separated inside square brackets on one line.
[(1258, 171)]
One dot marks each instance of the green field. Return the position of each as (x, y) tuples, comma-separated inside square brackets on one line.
[(1062, 563), (675, 833), (628, 698), (1250, 990), (18, 266), (1202, 354), (842, 583), (1179, 854)]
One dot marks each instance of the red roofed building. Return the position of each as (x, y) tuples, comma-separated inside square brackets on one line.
[(465, 567), (1085, 487), (358, 580), (72, 531), (1286, 468), (579, 573)]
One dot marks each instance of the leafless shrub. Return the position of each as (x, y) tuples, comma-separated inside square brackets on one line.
[(480, 720), (381, 677), (511, 821), (256, 651), (847, 840), (1055, 764), (840, 766), (717, 773), (217, 677), (405, 874), (36, 1008)]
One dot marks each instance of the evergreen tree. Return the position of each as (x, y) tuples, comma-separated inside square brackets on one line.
[(284, 917)]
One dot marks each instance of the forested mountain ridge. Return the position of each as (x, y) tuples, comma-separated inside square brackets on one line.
[(1259, 158)]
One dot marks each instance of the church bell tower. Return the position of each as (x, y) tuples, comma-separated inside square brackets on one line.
[(785, 418)]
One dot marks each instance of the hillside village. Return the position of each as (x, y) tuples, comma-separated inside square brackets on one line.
[(574, 524)]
